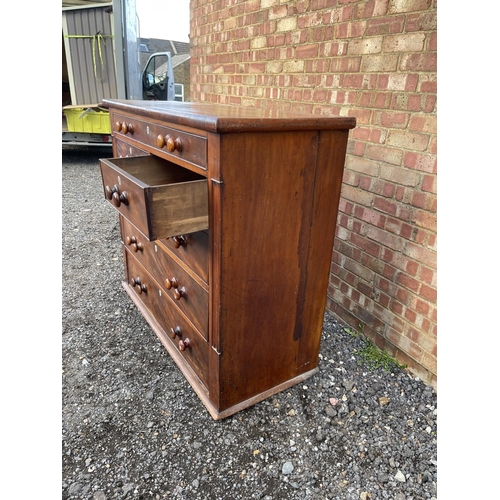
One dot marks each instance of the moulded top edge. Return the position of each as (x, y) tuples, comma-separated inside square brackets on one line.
[(222, 118)]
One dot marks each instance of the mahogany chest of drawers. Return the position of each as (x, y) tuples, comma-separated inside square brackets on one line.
[(227, 218)]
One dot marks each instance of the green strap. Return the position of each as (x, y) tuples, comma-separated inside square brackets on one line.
[(98, 37)]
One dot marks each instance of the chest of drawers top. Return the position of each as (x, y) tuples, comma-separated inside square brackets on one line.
[(223, 119)]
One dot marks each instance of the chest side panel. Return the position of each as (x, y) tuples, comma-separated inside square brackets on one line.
[(266, 215)]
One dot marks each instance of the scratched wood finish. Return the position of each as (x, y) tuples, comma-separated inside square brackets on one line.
[(273, 185)]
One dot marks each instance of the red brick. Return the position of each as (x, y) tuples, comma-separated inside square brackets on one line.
[(386, 25), (428, 293), (429, 184), (396, 307), (421, 307), (427, 275), (420, 161), (408, 282), (370, 216), (424, 123), (432, 41), (356, 148), (425, 219), (350, 29), (402, 295), (412, 268), (428, 83), (361, 115), (429, 105), (384, 205), (419, 62), (366, 245), (410, 315), (345, 206)]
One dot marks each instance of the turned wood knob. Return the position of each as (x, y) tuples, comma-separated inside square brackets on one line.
[(176, 332), (110, 191), (171, 283), (136, 282), (179, 241), (173, 144), (179, 293), (184, 344), (170, 143), (118, 126), (160, 141), (126, 128), (118, 198), (135, 245)]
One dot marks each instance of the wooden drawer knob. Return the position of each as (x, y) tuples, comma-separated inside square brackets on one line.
[(176, 332), (179, 293), (113, 194), (110, 190), (171, 143), (179, 241), (184, 344), (140, 286), (127, 128), (171, 283), (119, 198), (135, 245)]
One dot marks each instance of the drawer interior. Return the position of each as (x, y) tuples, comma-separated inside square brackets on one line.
[(153, 171)]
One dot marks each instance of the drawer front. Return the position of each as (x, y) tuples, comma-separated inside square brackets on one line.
[(179, 331), (192, 249), (124, 150), (177, 143), (159, 197), (188, 295)]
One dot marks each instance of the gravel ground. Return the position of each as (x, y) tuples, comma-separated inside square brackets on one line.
[(132, 428)]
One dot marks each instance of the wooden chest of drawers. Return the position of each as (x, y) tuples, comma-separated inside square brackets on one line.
[(227, 219)]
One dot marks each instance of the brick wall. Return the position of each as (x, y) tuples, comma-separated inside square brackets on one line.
[(375, 60)]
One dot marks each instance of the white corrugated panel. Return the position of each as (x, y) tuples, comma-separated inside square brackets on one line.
[(90, 55)]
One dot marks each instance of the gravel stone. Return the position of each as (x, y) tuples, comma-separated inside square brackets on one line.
[(132, 427)]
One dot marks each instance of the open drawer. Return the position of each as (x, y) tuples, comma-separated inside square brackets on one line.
[(160, 198)]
